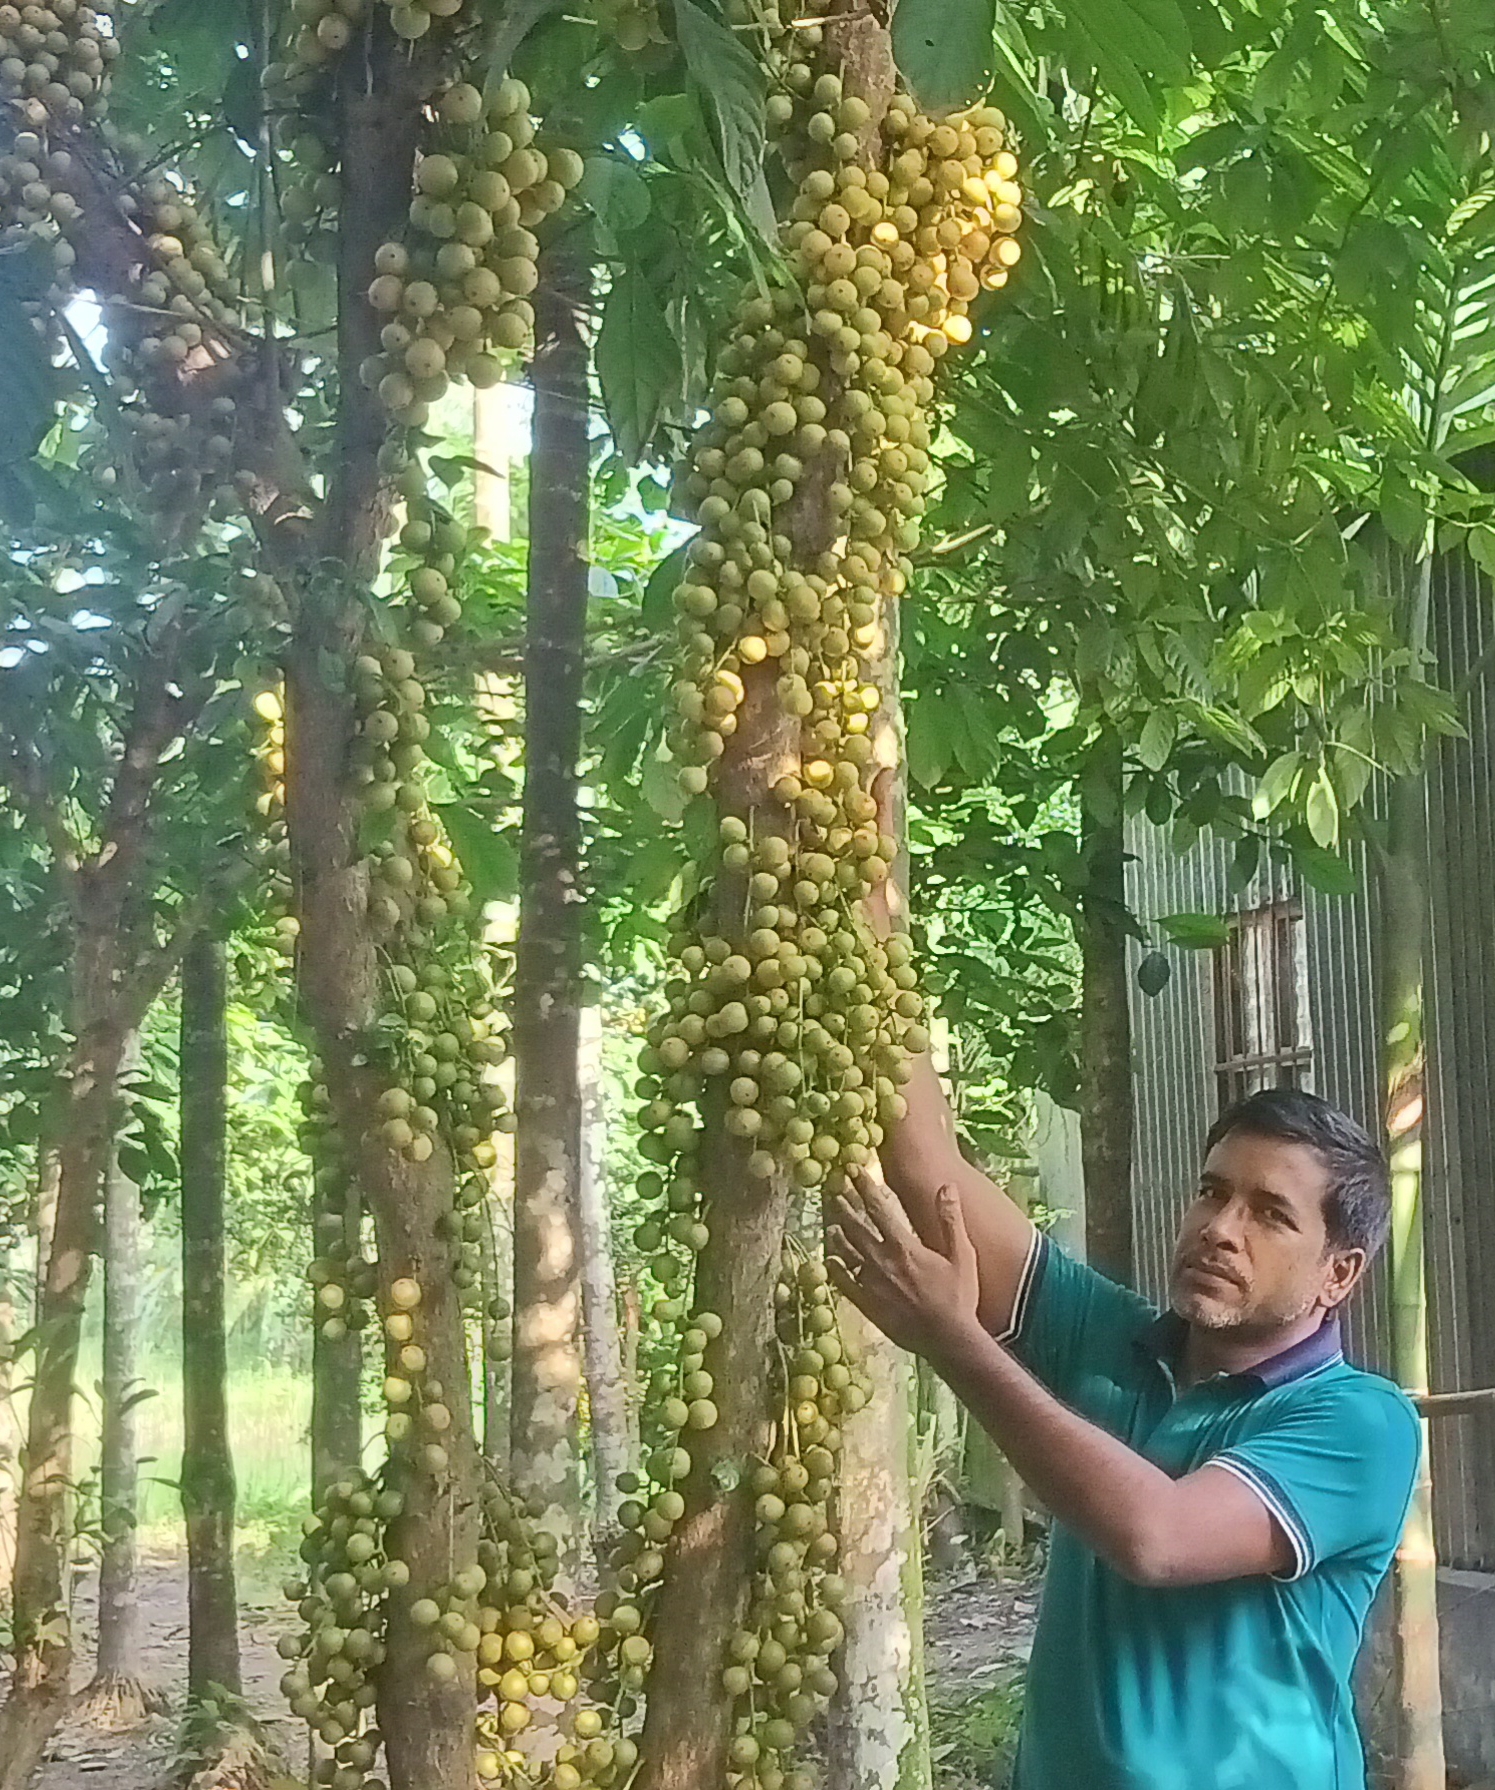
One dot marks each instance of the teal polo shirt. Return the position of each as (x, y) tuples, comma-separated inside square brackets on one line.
[(1243, 1685)]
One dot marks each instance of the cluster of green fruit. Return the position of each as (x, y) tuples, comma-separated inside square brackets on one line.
[(334, 1659), (459, 288), (269, 807), (342, 1279), (55, 60)]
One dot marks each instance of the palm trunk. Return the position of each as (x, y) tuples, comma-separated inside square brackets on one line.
[(208, 1486), (43, 1638), (1106, 1115), (607, 1391), (117, 1696), (1419, 1760), (544, 1454)]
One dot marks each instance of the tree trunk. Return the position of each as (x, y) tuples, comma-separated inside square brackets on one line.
[(43, 1639), (607, 1391), (427, 1727), (208, 1486), (493, 449), (48, 1174), (1419, 1760), (337, 1361), (10, 1428), (709, 1577), (879, 1718), (878, 1737), (544, 1454), (117, 1697), (1106, 1114)]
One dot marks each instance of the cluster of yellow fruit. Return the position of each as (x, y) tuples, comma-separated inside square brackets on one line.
[(269, 807), (330, 1683), (531, 1647), (55, 60), (808, 485), (460, 287)]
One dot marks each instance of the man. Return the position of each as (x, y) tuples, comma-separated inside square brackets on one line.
[(1227, 1491)]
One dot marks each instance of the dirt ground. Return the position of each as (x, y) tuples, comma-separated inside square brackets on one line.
[(976, 1630), (85, 1759)]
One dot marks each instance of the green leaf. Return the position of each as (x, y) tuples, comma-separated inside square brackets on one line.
[(931, 745), (1195, 932), (1277, 784), (28, 381), (1321, 811), (730, 76), (1327, 872), (615, 190), (638, 362), (945, 49), (488, 858), (1154, 973), (1136, 46), (1158, 734)]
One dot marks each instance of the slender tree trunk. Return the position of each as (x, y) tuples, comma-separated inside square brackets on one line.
[(117, 1696), (337, 1361), (607, 1391), (10, 1428), (878, 1733), (208, 1485), (43, 1638), (544, 1453), (879, 1718), (48, 1176), (493, 449), (427, 1727), (1419, 1759), (1106, 1114)]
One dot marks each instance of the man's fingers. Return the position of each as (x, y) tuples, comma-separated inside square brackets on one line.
[(854, 1227), (883, 1207), (844, 1281), (953, 1223)]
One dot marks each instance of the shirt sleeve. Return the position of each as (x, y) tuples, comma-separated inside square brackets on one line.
[(1074, 1329), (1336, 1470)]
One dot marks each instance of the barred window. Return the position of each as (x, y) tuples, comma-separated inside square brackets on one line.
[(1263, 1034)]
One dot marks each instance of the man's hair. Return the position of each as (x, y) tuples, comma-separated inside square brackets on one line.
[(1357, 1205)]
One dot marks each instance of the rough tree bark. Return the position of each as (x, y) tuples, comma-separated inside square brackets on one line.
[(544, 1452), (208, 1485), (704, 1597), (118, 968), (607, 1391), (878, 1733), (1404, 921), (337, 1381), (118, 1697), (43, 1642), (10, 1429), (427, 1727), (1106, 1115)]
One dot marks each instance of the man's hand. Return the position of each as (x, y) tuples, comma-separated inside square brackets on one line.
[(925, 1299)]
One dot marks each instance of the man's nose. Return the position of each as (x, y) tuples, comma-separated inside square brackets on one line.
[(1226, 1225)]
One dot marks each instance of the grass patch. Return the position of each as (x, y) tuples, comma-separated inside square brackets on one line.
[(974, 1736)]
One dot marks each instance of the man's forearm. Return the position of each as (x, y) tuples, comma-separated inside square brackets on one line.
[(1113, 1498)]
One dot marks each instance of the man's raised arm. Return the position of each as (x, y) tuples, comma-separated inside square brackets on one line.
[(919, 1156)]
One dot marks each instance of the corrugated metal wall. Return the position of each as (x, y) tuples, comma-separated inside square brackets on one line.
[(1175, 1051)]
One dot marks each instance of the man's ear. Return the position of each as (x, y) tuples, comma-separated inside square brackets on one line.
[(1343, 1271)]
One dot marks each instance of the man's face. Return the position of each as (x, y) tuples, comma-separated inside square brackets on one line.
[(1253, 1254)]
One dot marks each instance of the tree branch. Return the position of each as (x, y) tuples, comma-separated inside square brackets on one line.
[(28, 779)]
